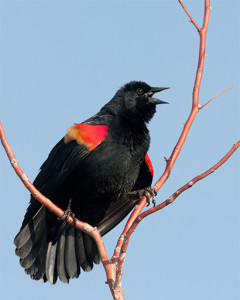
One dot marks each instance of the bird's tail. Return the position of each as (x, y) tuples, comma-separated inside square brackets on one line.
[(47, 260)]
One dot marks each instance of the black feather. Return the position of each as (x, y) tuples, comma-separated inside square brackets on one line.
[(117, 211), (51, 262), (71, 264), (35, 270), (61, 270), (83, 260), (32, 230), (91, 249)]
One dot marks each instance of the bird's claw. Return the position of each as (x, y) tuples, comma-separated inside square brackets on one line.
[(153, 193), (64, 217), (67, 213)]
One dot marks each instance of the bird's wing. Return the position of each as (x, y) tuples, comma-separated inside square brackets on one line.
[(79, 141), (61, 161), (121, 207), (68, 153)]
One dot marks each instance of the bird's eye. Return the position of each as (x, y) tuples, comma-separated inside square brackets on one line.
[(140, 91)]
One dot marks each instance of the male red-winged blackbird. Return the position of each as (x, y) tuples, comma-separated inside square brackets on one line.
[(95, 172)]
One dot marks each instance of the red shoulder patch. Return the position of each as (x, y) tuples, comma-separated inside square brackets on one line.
[(149, 164), (86, 134)]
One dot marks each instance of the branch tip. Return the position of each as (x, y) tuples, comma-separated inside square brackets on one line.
[(201, 106), (190, 16)]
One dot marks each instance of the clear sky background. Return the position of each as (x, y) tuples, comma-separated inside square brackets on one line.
[(60, 62)]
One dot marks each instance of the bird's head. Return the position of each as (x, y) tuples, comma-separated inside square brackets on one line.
[(135, 101)]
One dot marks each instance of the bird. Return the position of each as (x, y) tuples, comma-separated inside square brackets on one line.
[(96, 173)]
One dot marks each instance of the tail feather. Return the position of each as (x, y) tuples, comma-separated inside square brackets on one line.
[(91, 249), (34, 270), (51, 274), (25, 249), (61, 270), (26, 261), (43, 258), (72, 266), (32, 231), (31, 270), (83, 260)]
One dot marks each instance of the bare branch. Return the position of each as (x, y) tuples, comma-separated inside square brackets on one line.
[(190, 16), (201, 106)]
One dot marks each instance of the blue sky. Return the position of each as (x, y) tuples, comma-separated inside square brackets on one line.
[(60, 62)]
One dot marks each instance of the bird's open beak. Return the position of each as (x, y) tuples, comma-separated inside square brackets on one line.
[(152, 92)]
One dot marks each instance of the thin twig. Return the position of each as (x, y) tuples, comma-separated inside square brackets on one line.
[(190, 16), (201, 106)]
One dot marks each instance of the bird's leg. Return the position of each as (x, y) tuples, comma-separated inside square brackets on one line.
[(153, 193), (65, 216)]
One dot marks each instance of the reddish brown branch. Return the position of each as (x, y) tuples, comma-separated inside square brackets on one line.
[(191, 18), (202, 106)]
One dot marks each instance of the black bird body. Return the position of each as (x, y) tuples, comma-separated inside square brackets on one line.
[(98, 167)]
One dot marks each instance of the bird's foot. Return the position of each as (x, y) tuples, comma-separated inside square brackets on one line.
[(65, 216), (151, 190)]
